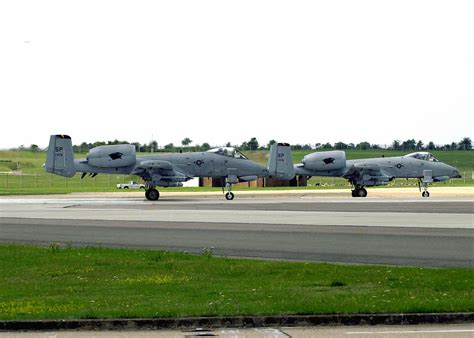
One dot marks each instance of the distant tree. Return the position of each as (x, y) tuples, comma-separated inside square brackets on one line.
[(351, 146), (396, 145), (116, 142), (34, 148), (252, 144), (431, 146), (340, 145), (363, 146), (409, 144), (205, 146), (296, 147), (153, 146), (419, 145), (317, 146), (327, 146), (84, 147), (186, 141), (375, 146), (454, 146), (137, 145), (169, 147), (465, 144), (228, 144), (307, 147), (243, 146)]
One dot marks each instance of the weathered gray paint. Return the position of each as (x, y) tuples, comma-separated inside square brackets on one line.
[(167, 169), (378, 171)]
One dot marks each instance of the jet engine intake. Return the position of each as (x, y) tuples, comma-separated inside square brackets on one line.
[(326, 160), (113, 156)]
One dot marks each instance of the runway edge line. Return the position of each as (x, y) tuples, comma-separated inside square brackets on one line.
[(237, 322)]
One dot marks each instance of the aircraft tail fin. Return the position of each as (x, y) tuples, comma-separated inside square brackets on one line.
[(60, 157), (280, 162)]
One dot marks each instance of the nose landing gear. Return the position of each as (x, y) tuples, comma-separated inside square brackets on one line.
[(229, 195), (422, 183)]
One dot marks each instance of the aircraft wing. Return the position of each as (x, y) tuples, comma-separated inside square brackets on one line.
[(362, 167), (161, 173), (367, 174)]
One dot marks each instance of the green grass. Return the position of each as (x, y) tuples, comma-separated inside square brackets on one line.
[(33, 180), (62, 283)]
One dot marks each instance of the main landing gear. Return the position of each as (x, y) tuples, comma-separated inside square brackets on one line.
[(152, 194), (359, 191)]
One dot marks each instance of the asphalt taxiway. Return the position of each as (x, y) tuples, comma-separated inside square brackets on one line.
[(418, 331), (379, 230)]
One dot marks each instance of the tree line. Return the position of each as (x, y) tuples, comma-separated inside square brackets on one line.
[(253, 144), (411, 144)]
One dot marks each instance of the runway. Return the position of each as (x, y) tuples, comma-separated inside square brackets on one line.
[(396, 231)]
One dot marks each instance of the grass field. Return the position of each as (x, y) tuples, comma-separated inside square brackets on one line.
[(21, 172), (62, 282)]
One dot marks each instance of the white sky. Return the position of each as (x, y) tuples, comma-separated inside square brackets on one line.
[(218, 71)]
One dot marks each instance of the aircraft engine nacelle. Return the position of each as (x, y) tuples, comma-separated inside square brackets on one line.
[(326, 160), (113, 156)]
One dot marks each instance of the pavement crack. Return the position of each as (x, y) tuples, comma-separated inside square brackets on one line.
[(71, 206)]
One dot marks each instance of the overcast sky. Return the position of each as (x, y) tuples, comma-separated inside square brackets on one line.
[(219, 71)]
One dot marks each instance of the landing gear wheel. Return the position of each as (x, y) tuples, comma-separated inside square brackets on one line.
[(362, 192), (425, 194), (359, 192), (229, 196), (152, 194)]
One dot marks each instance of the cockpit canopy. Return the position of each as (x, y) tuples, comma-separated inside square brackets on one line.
[(228, 151), (424, 156)]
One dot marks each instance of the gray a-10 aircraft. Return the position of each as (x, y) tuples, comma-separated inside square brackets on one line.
[(168, 170), (376, 171)]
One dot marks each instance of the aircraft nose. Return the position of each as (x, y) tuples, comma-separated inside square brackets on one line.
[(456, 174)]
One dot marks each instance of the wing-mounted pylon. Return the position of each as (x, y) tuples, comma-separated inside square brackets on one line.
[(367, 174), (160, 173)]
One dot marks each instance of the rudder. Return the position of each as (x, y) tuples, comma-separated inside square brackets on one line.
[(60, 157), (280, 162)]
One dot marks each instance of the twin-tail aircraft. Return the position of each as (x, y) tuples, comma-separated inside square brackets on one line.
[(366, 172), (168, 170)]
